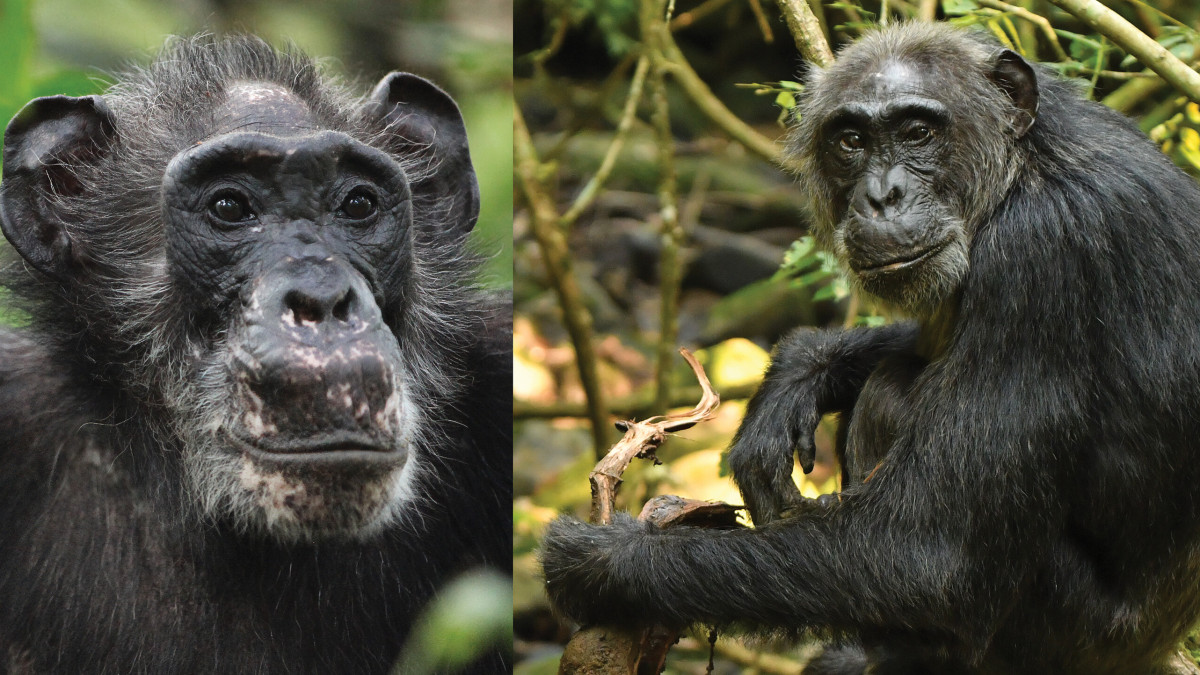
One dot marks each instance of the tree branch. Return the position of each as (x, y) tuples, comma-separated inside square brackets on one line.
[(619, 650), (716, 111), (806, 31), (655, 34), (642, 439), (553, 244), (1142, 46), (589, 192)]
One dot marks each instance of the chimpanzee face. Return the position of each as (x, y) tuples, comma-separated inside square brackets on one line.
[(290, 246), (891, 160), (290, 239)]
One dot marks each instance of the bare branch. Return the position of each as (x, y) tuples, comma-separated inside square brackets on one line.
[(589, 192), (806, 31), (642, 439), (716, 111), (553, 245)]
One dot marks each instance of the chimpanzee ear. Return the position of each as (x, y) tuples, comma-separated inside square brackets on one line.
[(423, 119), (44, 144), (1016, 78)]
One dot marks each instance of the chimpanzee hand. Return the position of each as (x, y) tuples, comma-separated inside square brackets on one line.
[(811, 373), (780, 421)]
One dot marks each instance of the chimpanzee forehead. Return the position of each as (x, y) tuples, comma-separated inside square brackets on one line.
[(262, 106), (893, 78)]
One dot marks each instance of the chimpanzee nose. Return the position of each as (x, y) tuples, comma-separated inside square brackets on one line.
[(313, 293), (313, 298), (881, 193), (315, 304), (315, 353), (880, 197)]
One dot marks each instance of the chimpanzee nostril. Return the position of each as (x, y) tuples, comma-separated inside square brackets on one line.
[(893, 196), (882, 192), (303, 308), (310, 308), (341, 310), (878, 200)]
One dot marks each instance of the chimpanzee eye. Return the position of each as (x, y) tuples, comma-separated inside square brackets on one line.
[(851, 141), (919, 133), (230, 207), (358, 205)]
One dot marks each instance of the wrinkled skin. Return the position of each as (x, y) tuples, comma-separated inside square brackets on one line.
[(260, 413), (1019, 491), (307, 231)]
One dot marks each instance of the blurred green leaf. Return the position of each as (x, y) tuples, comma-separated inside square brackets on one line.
[(16, 53), (959, 7), (808, 266), (471, 616)]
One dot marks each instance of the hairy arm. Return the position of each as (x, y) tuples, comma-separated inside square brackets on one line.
[(914, 552), (935, 545), (811, 373)]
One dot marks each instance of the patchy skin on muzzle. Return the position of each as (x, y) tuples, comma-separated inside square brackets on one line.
[(296, 376), (294, 501), (349, 389)]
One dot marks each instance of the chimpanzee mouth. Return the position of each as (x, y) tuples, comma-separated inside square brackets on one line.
[(901, 263), (324, 446)]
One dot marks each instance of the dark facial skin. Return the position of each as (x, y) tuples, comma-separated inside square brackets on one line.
[(884, 147), (282, 234)]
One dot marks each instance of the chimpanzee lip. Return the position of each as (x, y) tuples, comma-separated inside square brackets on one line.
[(324, 446), (902, 263)]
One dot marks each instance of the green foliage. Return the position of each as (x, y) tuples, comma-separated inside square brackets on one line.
[(616, 20), (854, 9), (16, 50), (20, 81), (785, 92), (959, 7), (10, 316), (1191, 645), (470, 617), (813, 268), (1180, 40)]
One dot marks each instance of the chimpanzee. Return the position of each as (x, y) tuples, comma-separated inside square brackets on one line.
[(1024, 456), (260, 412)]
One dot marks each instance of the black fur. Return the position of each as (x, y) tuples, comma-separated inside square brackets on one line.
[(112, 558), (1037, 506)]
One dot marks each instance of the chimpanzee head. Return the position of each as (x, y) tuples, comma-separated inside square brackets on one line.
[(276, 268), (904, 148)]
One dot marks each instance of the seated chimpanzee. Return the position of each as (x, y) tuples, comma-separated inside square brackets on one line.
[(260, 412), (1024, 457)]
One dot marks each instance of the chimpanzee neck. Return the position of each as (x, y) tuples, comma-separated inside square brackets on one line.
[(937, 329)]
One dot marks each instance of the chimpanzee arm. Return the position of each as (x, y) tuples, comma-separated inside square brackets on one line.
[(926, 547), (811, 373)]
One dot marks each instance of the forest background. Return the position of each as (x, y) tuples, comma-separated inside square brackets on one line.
[(654, 212)]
